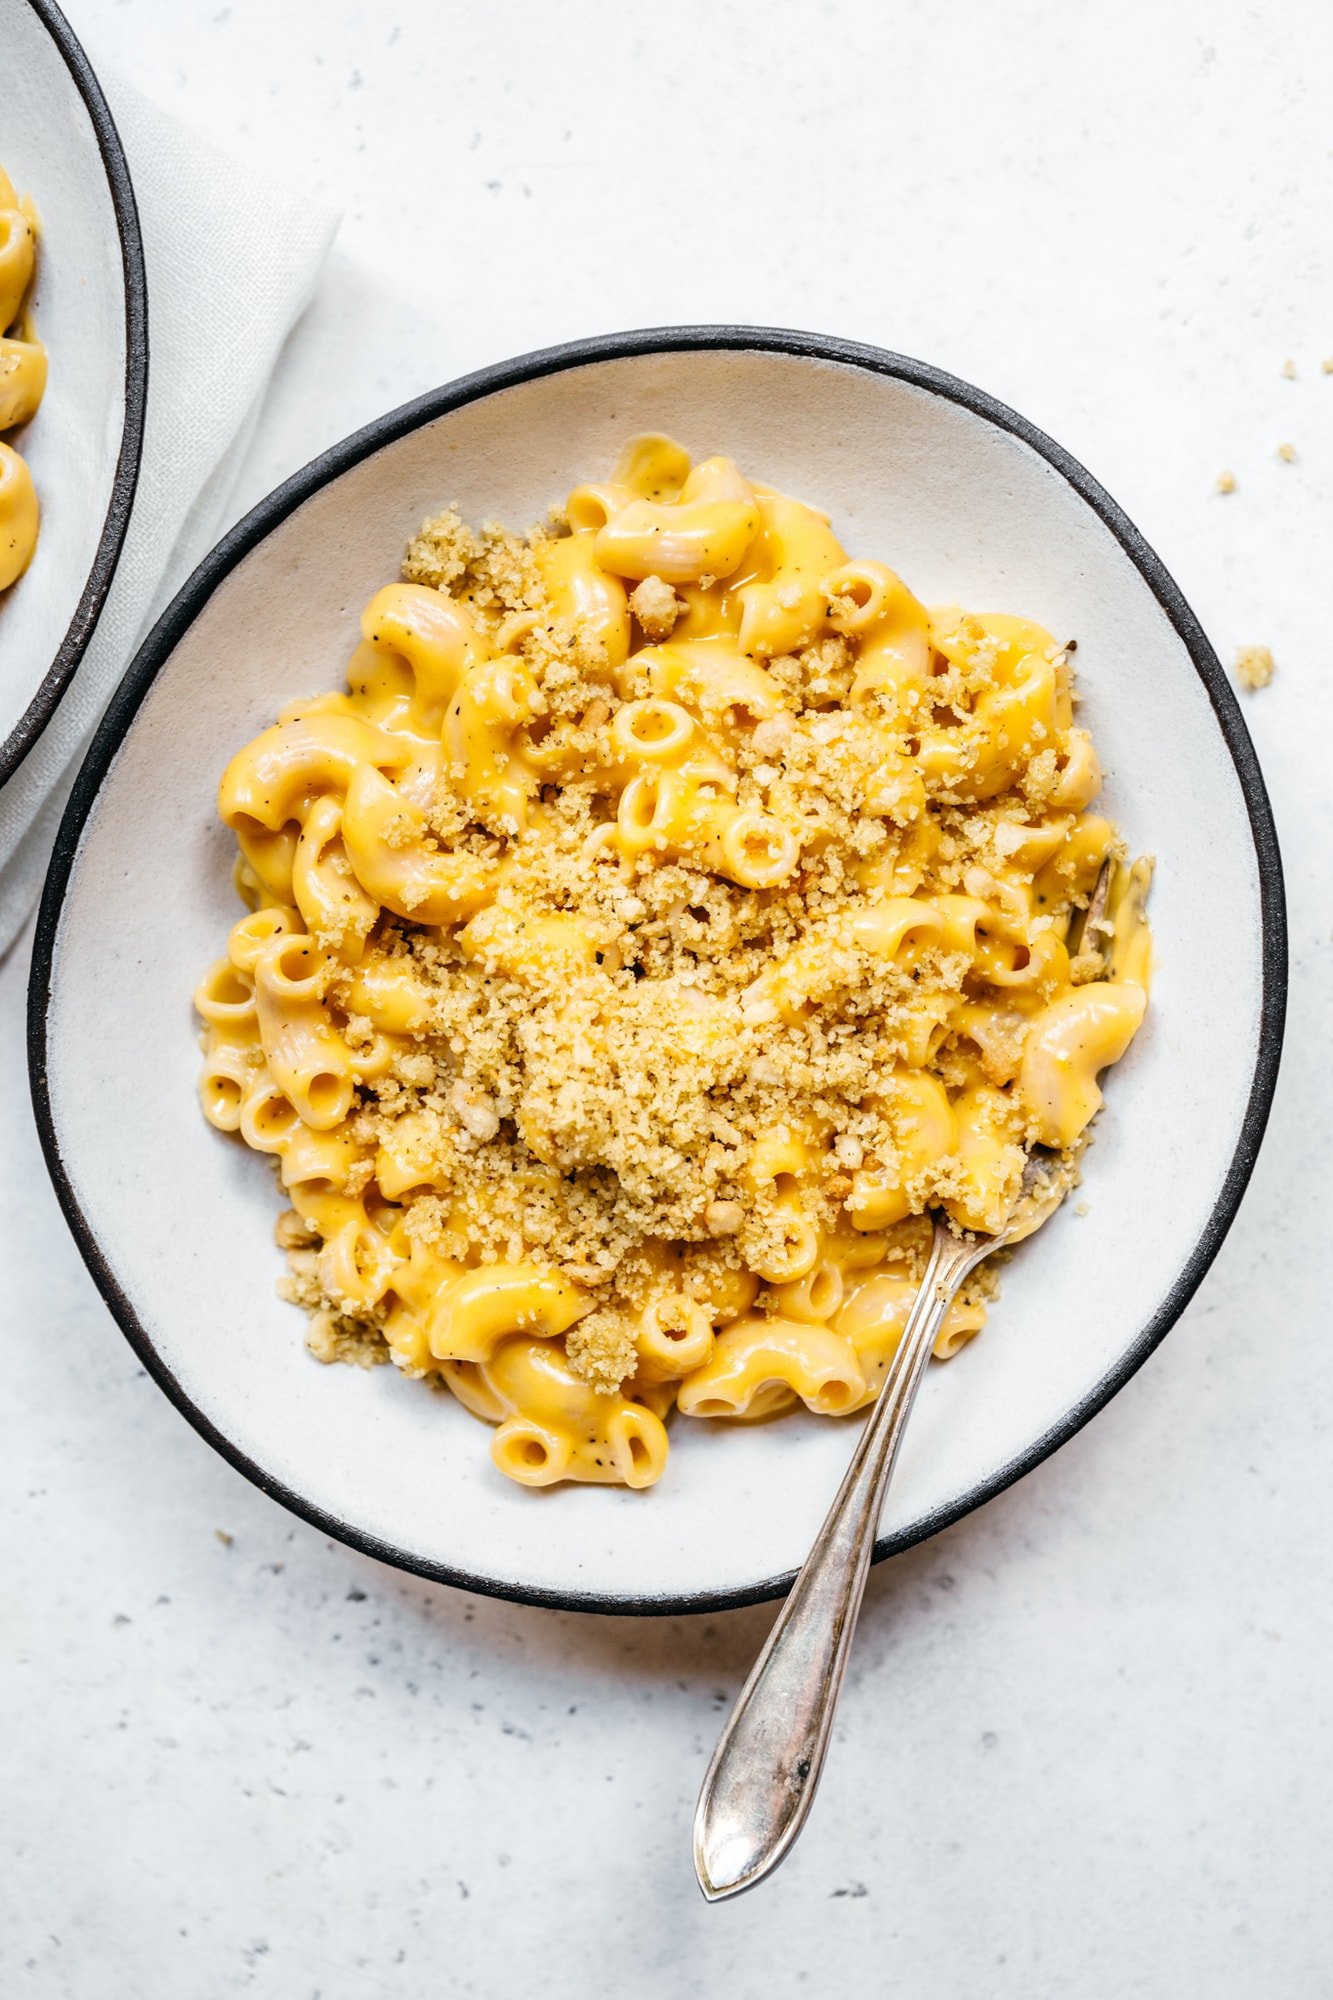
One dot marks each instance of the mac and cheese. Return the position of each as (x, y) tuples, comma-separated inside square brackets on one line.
[(669, 914), (22, 379)]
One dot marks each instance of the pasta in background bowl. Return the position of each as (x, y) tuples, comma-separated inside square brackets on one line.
[(22, 377), (71, 401), (973, 507)]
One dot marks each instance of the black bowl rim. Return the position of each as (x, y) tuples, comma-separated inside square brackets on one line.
[(83, 624), (386, 430)]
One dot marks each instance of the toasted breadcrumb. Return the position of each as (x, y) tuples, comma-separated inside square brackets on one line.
[(291, 1233), (656, 606), (1327, 364), (1289, 370), (475, 1111), (1226, 482), (495, 569), (1254, 666), (601, 1348), (1287, 453), (332, 1336)]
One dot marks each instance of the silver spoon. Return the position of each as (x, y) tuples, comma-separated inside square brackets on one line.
[(765, 1770), (761, 1782)]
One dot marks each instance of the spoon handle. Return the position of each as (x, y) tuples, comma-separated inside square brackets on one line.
[(762, 1779)]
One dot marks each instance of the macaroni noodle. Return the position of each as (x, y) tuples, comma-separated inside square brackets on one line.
[(670, 914), (22, 378)]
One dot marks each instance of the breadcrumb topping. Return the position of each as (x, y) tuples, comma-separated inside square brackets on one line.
[(656, 606)]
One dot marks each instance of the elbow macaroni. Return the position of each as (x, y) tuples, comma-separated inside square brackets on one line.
[(22, 378), (672, 913)]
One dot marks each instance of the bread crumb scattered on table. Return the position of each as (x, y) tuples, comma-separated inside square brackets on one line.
[(1289, 370), (1254, 666), (1287, 453), (1226, 482)]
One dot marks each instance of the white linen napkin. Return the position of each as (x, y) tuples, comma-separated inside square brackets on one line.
[(231, 263)]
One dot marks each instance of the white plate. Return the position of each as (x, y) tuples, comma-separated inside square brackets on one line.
[(57, 143), (176, 1222)]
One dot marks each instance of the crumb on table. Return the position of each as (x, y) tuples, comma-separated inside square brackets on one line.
[(1289, 370), (1287, 453), (1254, 666), (1226, 482)]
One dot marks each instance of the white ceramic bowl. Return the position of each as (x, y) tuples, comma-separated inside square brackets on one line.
[(57, 142), (175, 1222)]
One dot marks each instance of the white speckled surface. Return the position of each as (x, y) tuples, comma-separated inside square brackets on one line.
[(1085, 1743)]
